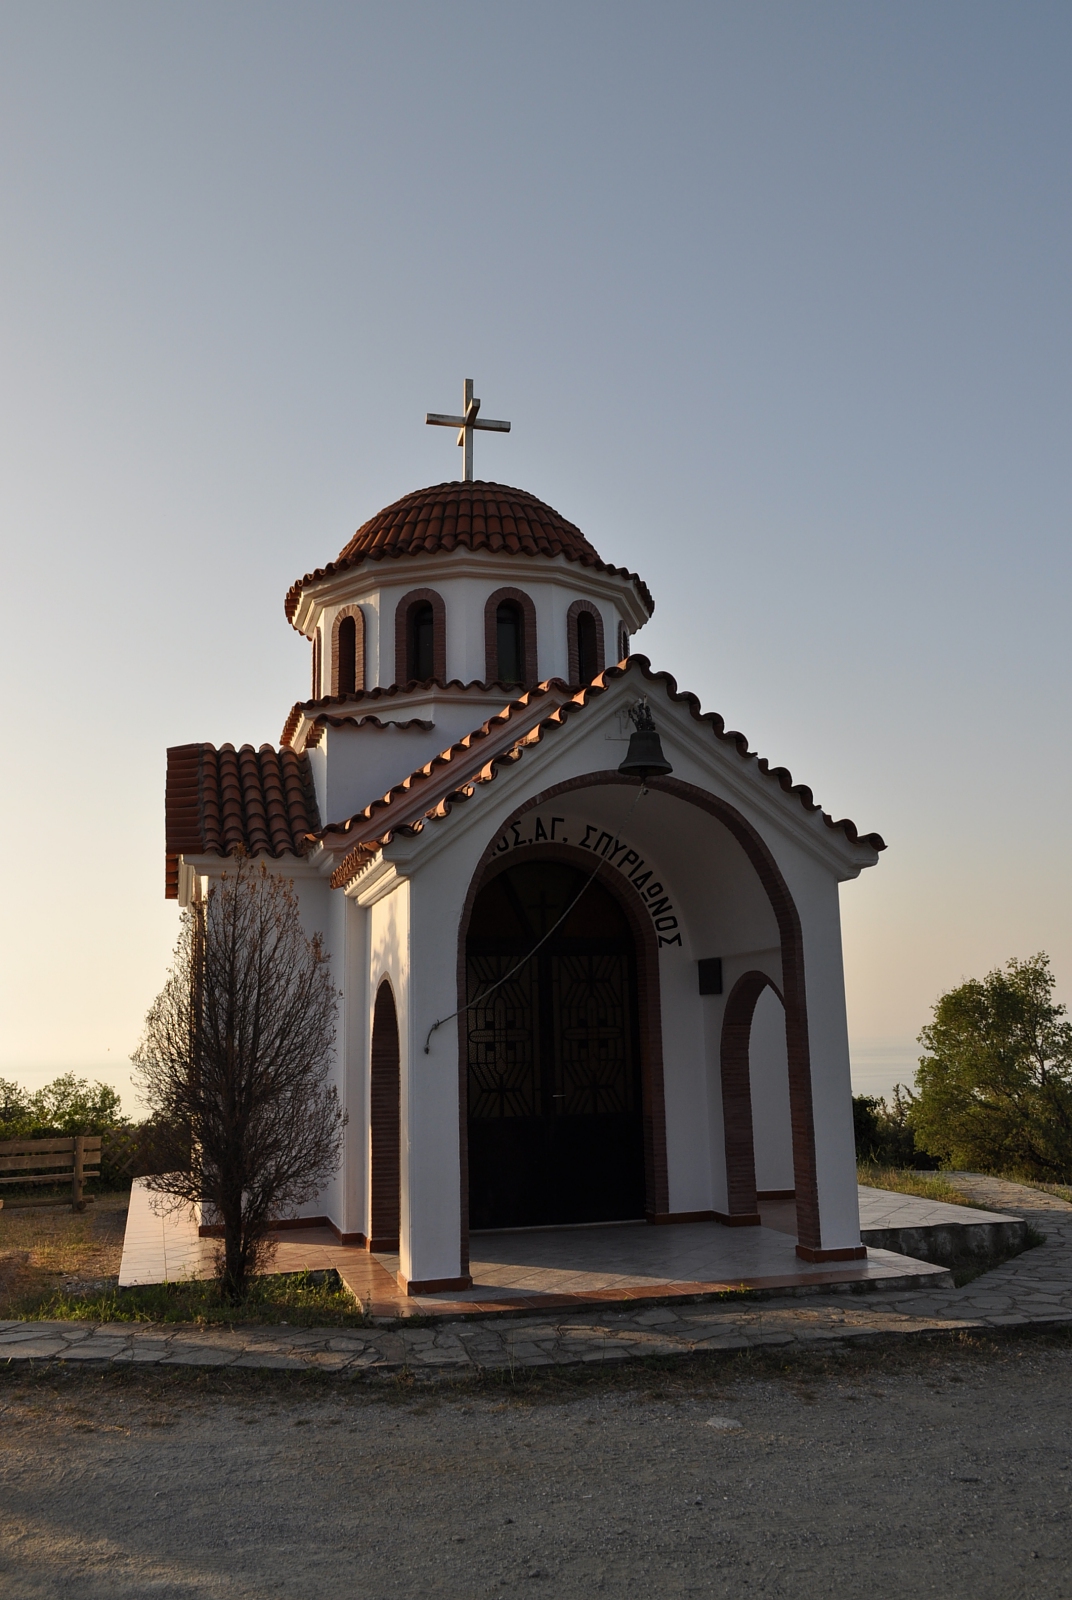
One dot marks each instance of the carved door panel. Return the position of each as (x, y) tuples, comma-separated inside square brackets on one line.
[(555, 1117)]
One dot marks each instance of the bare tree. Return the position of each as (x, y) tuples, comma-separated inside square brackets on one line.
[(236, 1050)]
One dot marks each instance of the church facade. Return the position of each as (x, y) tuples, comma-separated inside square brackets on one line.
[(570, 993)]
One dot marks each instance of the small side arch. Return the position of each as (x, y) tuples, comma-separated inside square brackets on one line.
[(737, 1098), (420, 637), (524, 671), (385, 1123), (584, 642), (348, 651)]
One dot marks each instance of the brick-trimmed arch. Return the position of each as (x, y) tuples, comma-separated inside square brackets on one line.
[(439, 634), (572, 646), (339, 677), (384, 1118), (528, 637), (737, 1097), (794, 998), (656, 1179)]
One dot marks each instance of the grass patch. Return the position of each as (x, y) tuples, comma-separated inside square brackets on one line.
[(294, 1299), (927, 1185), (1060, 1190)]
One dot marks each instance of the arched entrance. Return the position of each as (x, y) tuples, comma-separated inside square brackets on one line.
[(384, 1119), (555, 1100)]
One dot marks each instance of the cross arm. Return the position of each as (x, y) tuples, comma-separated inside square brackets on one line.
[(439, 420), (486, 422)]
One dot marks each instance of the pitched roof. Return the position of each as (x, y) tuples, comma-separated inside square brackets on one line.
[(465, 516), (430, 793), (214, 800), (323, 709)]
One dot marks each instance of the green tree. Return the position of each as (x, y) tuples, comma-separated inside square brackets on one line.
[(994, 1090), (67, 1105)]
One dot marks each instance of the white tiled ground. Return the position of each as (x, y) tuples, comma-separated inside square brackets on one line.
[(880, 1209), (633, 1258), (162, 1245)]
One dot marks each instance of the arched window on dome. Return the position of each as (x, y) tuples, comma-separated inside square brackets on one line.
[(420, 637), (510, 639), (316, 665), (623, 642), (420, 660), (348, 651), (584, 638), (509, 642)]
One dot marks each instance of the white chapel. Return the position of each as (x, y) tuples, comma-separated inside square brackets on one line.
[(588, 942)]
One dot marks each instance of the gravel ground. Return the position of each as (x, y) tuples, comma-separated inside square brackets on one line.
[(897, 1472)]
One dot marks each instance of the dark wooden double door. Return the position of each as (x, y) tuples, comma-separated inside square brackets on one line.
[(555, 1099)]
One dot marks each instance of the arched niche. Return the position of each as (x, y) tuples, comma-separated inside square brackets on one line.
[(517, 607), (384, 1119), (348, 651), (420, 637), (584, 641)]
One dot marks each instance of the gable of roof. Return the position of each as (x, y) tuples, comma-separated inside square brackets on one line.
[(466, 516), (429, 793), (262, 801)]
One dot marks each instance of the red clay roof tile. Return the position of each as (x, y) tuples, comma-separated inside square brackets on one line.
[(470, 516), (214, 800), (452, 777)]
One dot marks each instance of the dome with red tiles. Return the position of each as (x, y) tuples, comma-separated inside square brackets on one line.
[(466, 516)]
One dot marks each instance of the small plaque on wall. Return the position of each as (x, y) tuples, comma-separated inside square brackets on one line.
[(710, 975)]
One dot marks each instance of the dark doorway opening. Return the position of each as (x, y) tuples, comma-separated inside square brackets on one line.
[(555, 1103)]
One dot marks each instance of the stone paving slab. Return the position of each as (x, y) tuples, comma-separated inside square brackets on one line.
[(1032, 1290)]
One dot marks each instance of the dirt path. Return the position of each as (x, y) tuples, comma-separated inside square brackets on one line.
[(897, 1473)]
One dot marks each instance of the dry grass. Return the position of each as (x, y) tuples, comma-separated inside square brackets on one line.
[(48, 1248), (927, 1185), (1061, 1190)]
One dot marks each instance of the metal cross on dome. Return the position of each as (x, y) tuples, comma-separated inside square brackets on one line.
[(465, 424)]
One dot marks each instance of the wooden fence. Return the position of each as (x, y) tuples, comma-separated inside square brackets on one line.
[(49, 1161)]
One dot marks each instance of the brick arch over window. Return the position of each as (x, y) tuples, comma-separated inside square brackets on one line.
[(529, 654), (794, 998), (737, 1097), (348, 663), (573, 642), (403, 612), (385, 1123), (645, 941)]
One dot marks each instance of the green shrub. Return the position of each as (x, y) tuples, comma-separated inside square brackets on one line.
[(884, 1133), (994, 1090)]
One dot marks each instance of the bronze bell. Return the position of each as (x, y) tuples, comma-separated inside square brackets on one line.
[(645, 757)]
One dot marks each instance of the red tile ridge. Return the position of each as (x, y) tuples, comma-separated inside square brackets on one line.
[(451, 685), (411, 818), (216, 801), (474, 516)]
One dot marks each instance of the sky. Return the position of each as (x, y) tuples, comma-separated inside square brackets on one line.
[(776, 298)]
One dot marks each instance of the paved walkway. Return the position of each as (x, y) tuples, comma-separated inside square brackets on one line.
[(546, 1270), (1034, 1289)]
